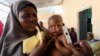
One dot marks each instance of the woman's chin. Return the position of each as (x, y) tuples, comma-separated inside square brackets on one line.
[(31, 29)]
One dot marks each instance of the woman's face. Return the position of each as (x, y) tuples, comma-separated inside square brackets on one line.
[(28, 18), (88, 37)]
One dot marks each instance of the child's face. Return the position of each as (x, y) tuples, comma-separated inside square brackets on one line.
[(55, 27)]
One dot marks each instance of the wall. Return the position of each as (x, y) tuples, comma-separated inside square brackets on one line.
[(46, 12), (73, 7), (96, 18), (44, 18)]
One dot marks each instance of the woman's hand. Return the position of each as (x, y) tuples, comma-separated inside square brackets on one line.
[(43, 35), (71, 50), (37, 50), (85, 50), (65, 51)]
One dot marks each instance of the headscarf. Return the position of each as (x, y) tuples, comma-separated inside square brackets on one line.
[(13, 34)]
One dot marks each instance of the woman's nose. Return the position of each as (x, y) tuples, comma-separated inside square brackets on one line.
[(33, 18)]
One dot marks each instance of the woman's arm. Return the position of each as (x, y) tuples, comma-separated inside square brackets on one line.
[(42, 49), (37, 51), (85, 50)]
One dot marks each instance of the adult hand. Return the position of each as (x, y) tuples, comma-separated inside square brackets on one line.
[(42, 49), (42, 36), (85, 50), (64, 50), (37, 50)]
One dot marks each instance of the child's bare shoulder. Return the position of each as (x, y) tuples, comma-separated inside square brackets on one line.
[(62, 38)]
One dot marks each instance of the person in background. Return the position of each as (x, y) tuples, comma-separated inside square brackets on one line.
[(73, 35), (69, 30), (90, 38), (1, 27), (41, 25), (94, 43)]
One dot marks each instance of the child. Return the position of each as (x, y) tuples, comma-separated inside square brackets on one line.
[(55, 24)]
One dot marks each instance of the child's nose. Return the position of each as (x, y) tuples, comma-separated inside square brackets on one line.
[(54, 28)]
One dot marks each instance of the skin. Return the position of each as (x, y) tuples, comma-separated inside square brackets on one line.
[(55, 27), (56, 53), (85, 50), (89, 37), (41, 23), (28, 18), (64, 50)]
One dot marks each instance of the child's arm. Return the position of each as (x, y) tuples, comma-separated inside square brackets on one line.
[(62, 38), (65, 43)]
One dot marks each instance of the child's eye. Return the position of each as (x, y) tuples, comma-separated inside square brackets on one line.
[(50, 26), (58, 25)]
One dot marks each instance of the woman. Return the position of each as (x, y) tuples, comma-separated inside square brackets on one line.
[(21, 23), (94, 43), (90, 38)]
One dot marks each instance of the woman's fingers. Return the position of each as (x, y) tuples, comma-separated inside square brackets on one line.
[(86, 49), (62, 49), (75, 51)]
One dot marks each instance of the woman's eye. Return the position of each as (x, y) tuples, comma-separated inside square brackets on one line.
[(34, 15), (26, 16)]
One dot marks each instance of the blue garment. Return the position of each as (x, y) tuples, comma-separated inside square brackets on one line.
[(92, 41)]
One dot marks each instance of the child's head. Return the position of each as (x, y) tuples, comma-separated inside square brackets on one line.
[(55, 24)]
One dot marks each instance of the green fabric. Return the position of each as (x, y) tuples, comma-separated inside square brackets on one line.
[(96, 48)]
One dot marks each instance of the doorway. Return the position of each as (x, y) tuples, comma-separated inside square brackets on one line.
[(85, 23)]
